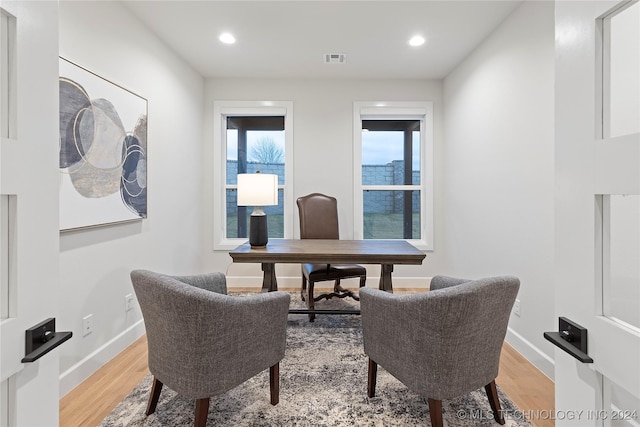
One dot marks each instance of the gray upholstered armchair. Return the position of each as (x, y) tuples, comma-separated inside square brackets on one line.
[(443, 343), (202, 342)]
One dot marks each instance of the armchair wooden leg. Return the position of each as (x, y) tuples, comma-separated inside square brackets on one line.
[(372, 374), (310, 301), (274, 383), (435, 411), (154, 396), (202, 410), (494, 402)]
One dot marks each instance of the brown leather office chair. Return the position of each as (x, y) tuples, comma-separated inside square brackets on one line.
[(319, 220)]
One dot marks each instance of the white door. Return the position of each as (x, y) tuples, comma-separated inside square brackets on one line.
[(598, 209), (29, 237)]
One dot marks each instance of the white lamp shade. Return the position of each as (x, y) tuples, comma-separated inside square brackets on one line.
[(257, 189)]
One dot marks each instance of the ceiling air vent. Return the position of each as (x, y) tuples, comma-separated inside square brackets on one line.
[(335, 58)]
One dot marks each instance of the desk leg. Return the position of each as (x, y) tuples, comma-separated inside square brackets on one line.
[(385, 278), (269, 282)]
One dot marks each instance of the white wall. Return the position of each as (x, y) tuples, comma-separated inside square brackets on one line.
[(323, 155), (95, 263), (499, 170)]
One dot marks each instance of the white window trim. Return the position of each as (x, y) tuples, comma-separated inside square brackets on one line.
[(422, 111), (222, 110)]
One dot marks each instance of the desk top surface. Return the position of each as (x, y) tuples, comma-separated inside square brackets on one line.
[(330, 251)]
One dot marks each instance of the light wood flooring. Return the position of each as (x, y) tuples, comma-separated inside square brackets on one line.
[(91, 401)]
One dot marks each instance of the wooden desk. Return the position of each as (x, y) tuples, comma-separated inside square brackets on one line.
[(387, 253)]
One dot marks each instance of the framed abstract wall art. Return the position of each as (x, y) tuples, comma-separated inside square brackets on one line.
[(103, 150)]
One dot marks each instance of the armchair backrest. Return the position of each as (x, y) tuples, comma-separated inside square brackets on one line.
[(441, 343), (318, 216)]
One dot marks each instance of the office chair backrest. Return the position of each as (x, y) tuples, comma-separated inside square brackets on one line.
[(318, 217)]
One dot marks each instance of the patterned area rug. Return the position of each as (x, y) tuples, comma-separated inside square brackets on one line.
[(323, 382)]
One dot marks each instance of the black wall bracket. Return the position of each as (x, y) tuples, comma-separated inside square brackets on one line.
[(41, 339), (571, 338)]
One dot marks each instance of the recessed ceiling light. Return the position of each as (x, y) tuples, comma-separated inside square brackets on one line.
[(227, 38), (416, 41)]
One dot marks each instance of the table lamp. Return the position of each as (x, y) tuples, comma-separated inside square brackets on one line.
[(258, 190)]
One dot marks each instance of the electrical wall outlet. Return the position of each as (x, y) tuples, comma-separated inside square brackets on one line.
[(516, 308), (87, 325), (128, 302)]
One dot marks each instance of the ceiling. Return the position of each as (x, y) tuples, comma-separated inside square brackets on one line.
[(288, 39)]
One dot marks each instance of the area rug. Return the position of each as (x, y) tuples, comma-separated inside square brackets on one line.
[(323, 382)]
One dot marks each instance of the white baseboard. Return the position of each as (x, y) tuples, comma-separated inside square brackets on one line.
[(532, 353), (82, 370)]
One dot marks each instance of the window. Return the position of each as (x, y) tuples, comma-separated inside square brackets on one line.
[(621, 68), (620, 252), (251, 137), (7, 75), (8, 215), (393, 190)]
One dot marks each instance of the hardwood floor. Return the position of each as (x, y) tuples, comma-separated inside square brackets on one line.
[(531, 390), (91, 401)]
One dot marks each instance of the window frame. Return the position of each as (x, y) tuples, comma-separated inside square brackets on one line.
[(222, 110), (410, 110)]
